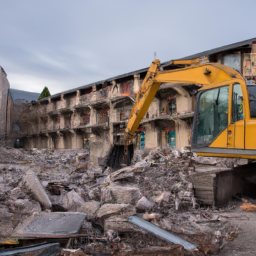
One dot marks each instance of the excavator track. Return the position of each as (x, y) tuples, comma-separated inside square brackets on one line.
[(216, 186)]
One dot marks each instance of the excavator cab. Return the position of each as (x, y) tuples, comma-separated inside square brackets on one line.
[(224, 120), (219, 109)]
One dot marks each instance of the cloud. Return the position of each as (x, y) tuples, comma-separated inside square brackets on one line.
[(66, 44)]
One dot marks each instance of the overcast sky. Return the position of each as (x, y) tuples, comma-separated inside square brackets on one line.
[(65, 44)]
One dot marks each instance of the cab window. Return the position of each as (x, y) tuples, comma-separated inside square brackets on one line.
[(237, 104), (212, 115), (252, 98)]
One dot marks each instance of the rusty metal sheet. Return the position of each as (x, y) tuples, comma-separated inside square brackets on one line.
[(43, 249), (50, 225)]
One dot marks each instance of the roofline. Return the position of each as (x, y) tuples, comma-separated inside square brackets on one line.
[(12, 89), (139, 71), (95, 83), (221, 49)]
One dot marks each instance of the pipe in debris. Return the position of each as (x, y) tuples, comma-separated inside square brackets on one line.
[(34, 185), (46, 249), (159, 232)]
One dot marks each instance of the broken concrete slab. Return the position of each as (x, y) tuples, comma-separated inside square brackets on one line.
[(75, 252), (90, 209), (120, 224), (34, 185), (125, 194), (121, 194), (114, 209), (50, 225), (72, 201), (25, 206), (126, 173)]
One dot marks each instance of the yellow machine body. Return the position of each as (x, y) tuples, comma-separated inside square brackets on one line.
[(238, 138), (234, 137)]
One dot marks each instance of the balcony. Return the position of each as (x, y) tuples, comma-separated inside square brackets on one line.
[(71, 102), (50, 107), (83, 100), (61, 104), (41, 110)]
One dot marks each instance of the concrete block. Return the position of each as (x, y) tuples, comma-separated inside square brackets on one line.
[(115, 209), (90, 209)]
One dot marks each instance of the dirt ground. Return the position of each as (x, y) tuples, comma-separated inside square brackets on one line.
[(244, 243)]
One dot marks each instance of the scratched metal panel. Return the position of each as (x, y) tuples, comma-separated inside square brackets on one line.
[(53, 224)]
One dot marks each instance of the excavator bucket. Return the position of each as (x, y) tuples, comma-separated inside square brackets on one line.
[(120, 156)]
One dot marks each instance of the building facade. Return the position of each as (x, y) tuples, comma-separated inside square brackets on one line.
[(94, 116), (4, 86)]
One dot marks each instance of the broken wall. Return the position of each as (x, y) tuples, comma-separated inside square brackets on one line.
[(183, 133), (152, 135), (99, 146), (153, 110), (4, 86)]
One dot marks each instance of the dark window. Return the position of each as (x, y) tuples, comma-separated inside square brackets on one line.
[(172, 106)]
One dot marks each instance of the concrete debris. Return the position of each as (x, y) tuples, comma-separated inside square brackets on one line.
[(164, 197), (144, 204), (72, 201), (90, 209), (158, 188), (70, 252), (50, 225), (108, 210), (26, 206), (121, 194), (35, 187)]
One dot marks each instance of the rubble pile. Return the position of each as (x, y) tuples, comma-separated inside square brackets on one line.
[(157, 188)]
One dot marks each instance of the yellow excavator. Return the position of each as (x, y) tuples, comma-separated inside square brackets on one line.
[(225, 117)]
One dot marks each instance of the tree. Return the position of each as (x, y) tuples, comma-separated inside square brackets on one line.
[(45, 93)]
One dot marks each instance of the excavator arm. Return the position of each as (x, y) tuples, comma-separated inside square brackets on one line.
[(208, 74), (205, 74)]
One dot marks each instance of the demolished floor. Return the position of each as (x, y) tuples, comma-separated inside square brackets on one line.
[(50, 197)]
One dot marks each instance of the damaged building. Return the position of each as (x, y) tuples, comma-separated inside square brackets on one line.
[(58, 198), (93, 116)]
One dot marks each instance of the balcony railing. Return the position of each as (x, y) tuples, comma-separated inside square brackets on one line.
[(61, 104), (84, 99), (50, 107)]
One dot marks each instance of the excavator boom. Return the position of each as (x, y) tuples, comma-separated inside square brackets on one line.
[(218, 128), (205, 74)]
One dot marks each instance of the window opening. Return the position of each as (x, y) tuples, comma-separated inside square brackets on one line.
[(142, 140), (172, 106)]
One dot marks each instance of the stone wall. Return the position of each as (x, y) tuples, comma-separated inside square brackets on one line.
[(4, 86)]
